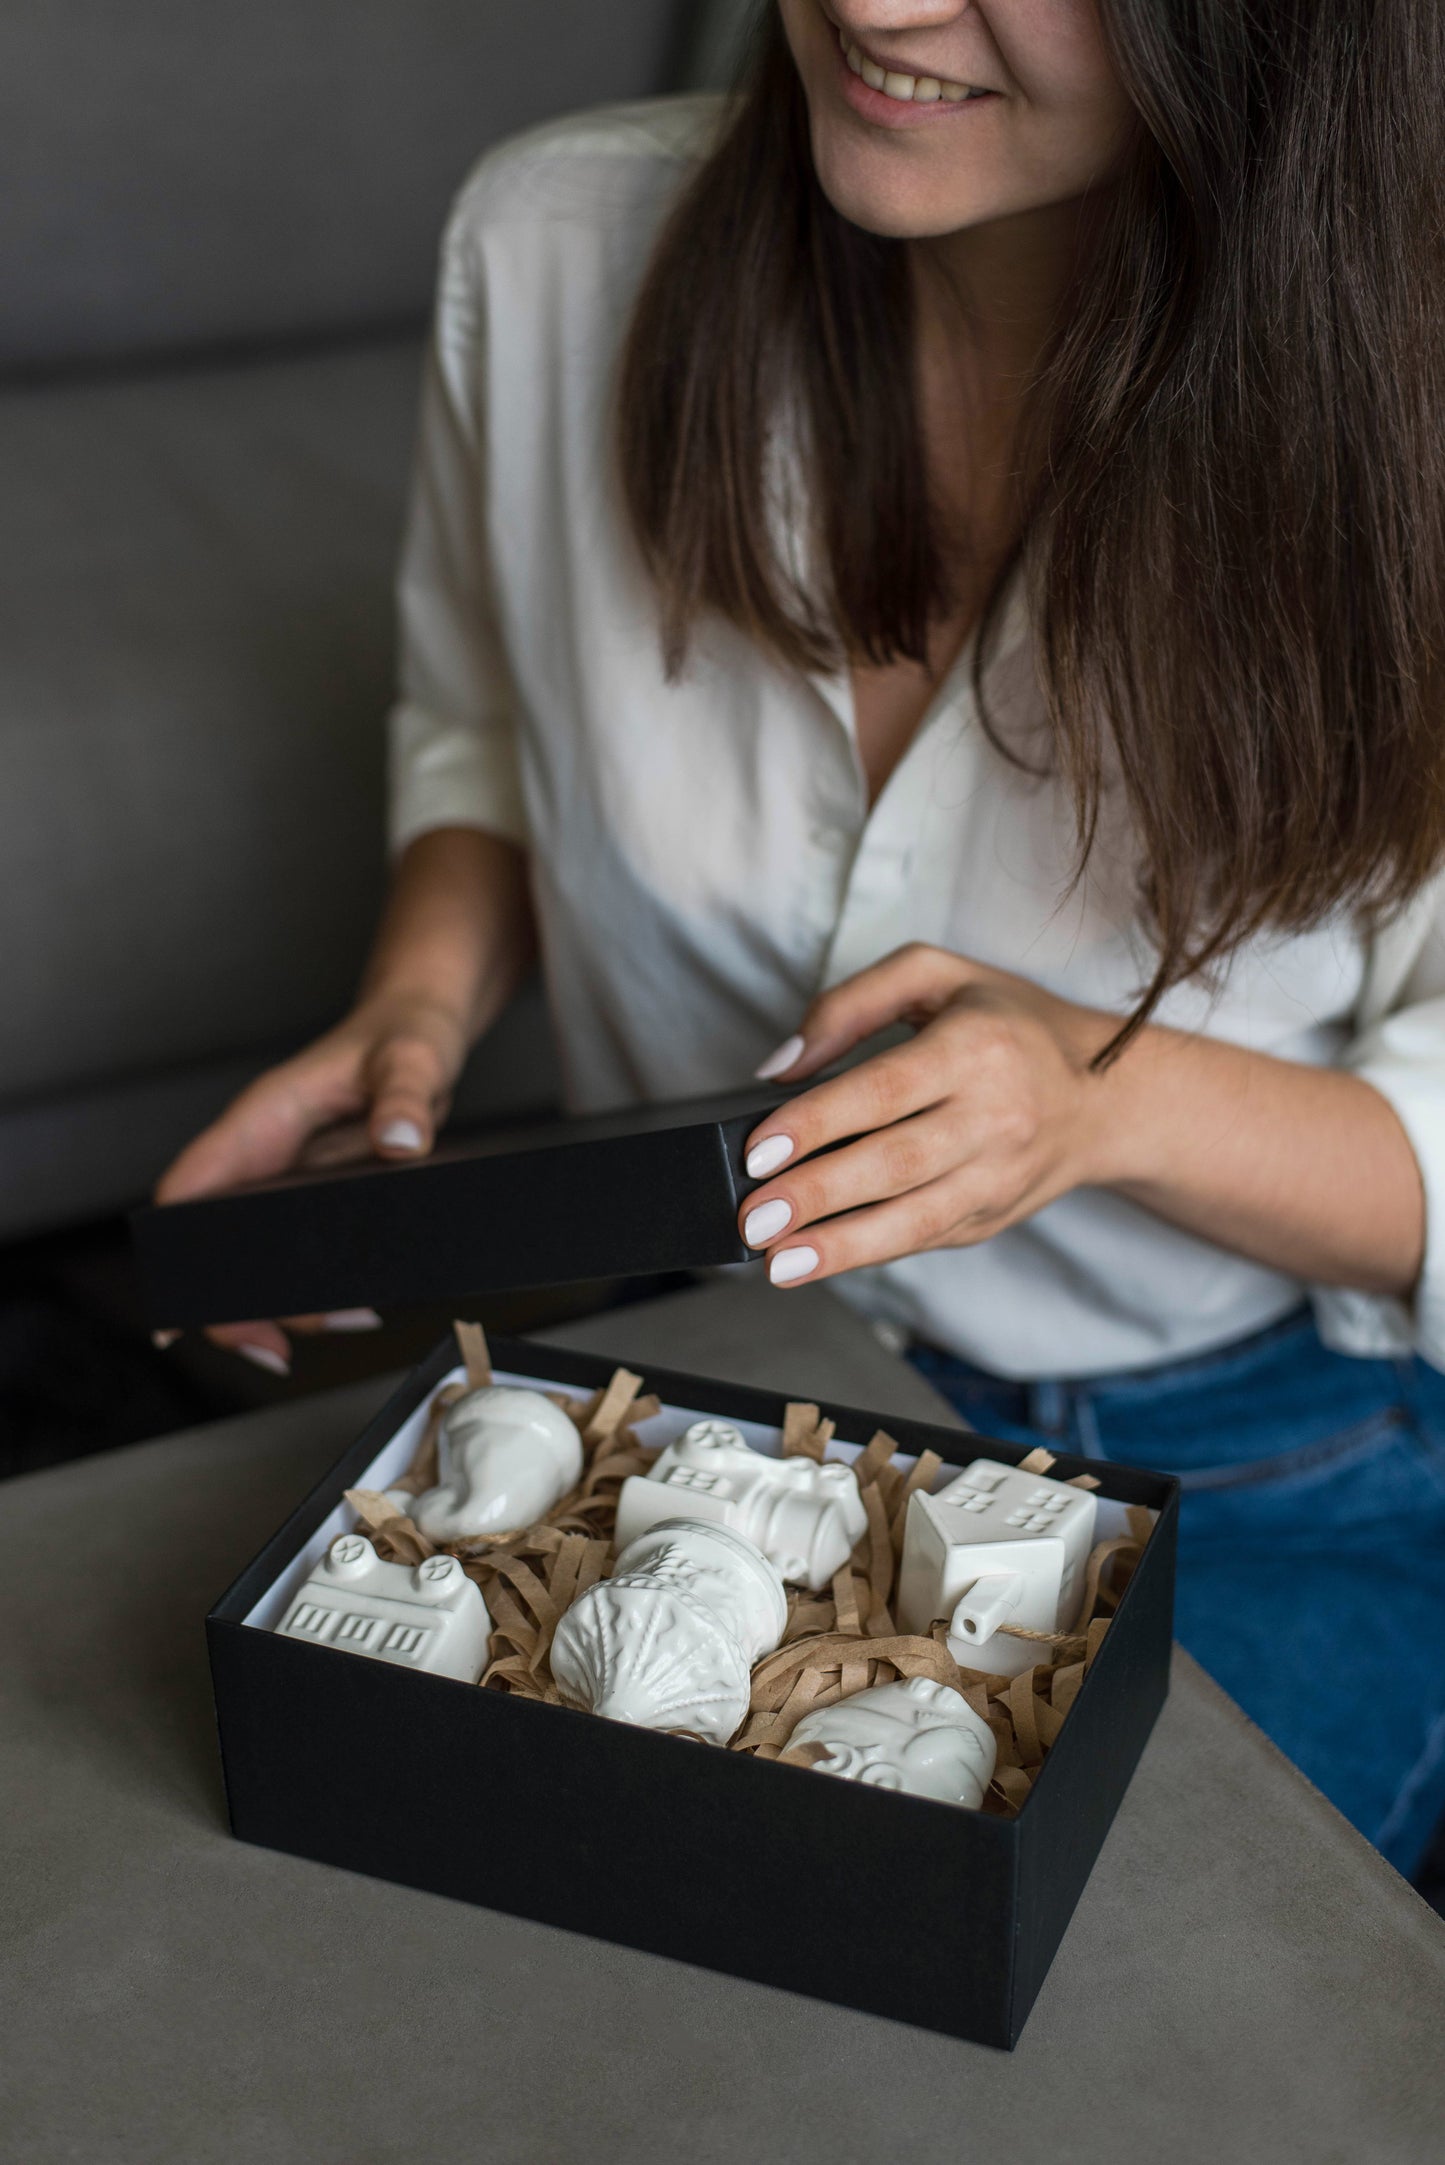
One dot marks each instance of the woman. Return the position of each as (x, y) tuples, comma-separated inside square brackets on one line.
[(956, 539)]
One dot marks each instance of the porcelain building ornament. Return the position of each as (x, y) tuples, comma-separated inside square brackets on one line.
[(920, 1737), (996, 1546), (505, 1457), (669, 1641), (804, 1516), (421, 1616)]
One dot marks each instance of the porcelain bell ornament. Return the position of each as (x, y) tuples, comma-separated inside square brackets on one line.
[(504, 1457), (669, 1641), (804, 1516), (920, 1737)]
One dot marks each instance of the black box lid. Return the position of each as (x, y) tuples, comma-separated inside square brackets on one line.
[(651, 1189)]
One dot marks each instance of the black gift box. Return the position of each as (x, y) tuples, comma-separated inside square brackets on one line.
[(899, 1906), (652, 1189)]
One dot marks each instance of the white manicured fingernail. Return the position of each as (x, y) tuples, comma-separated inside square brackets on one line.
[(402, 1135), (790, 1264), (162, 1339), (265, 1357), (765, 1158), (351, 1319), (766, 1222), (778, 1063)]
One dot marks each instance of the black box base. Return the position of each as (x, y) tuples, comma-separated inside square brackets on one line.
[(891, 1904)]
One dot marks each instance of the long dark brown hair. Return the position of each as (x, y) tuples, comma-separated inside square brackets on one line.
[(1234, 547)]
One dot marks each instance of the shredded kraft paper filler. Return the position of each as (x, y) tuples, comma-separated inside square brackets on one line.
[(834, 1645)]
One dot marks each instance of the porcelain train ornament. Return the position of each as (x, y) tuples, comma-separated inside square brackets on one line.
[(505, 1456), (995, 1547), (669, 1641), (422, 1616), (805, 1517), (920, 1737)]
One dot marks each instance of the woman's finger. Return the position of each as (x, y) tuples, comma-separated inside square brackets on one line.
[(267, 1344), (408, 1077), (910, 984), (891, 1161), (906, 1079), (264, 1344), (338, 1321), (933, 1216)]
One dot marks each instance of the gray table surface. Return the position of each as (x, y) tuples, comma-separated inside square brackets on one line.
[(1244, 1979)]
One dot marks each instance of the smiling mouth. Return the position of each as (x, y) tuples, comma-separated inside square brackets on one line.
[(906, 89)]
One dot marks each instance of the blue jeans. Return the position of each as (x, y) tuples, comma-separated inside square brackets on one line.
[(1312, 1544)]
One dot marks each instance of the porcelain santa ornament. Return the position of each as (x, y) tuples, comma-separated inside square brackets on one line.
[(920, 1737), (669, 1641), (504, 1457)]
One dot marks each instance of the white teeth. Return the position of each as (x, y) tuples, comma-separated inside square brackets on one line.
[(906, 89)]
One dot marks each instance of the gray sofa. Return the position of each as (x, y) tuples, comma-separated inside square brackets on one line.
[(217, 234)]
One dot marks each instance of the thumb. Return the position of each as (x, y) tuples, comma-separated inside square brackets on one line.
[(409, 1080)]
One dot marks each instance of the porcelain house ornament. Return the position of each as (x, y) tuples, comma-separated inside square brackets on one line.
[(919, 1736), (994, 1547), (669, 1641), (422, 1616), (505, 1456), (804, 1516)]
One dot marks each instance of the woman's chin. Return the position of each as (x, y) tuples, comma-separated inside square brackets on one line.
[(872, 193)]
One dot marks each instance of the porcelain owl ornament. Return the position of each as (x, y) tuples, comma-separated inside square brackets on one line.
[(804, 1516), (920, 1737), (669, 1641), (505, 1456)]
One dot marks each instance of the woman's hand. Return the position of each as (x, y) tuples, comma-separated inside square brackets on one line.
[(455, 939), (378, 1084), (990, 1112), (994, 1110)]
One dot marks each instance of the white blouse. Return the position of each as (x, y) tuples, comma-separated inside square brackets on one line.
[(703, 855)]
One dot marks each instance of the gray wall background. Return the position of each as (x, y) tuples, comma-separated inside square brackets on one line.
[(218, 229), (182, 173)]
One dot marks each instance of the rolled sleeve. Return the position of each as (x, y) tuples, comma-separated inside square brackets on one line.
[(450, 776), (452, 747), (1403, 1057)]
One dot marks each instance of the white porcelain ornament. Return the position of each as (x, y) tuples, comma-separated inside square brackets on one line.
[(994, 1547), (669, 1641), (920, 1737), (505, 1456), (804, 1516), (423, 1616)]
